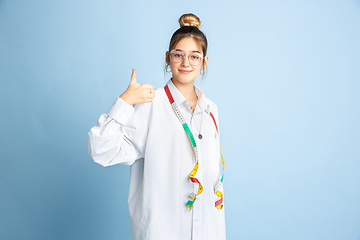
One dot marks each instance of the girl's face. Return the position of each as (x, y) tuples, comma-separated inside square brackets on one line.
[(183, 72)]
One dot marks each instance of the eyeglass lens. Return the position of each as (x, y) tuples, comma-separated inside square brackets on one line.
[(194, 58)]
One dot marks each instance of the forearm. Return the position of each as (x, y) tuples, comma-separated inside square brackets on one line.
[(107, 142)]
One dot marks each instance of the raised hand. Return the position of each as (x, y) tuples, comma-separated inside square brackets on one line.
[(138, 92)]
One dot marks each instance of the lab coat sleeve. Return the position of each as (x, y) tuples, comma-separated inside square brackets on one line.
[(120, 135)]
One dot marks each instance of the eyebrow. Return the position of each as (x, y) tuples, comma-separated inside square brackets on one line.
[(190, 51)]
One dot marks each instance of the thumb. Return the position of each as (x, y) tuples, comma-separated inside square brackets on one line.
[(133, 76)]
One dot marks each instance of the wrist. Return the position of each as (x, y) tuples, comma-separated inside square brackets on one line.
[(126, 99)]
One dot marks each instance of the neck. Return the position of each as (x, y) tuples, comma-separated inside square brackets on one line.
[(187, 90)]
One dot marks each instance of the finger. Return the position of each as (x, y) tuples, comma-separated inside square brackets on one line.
[(147, 100), (149, 92), (133, 76), (147, 85), (146, 92)]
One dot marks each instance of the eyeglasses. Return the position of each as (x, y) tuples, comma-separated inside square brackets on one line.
[(177, 56)]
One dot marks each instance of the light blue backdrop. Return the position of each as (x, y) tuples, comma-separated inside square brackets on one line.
[(285, 76)]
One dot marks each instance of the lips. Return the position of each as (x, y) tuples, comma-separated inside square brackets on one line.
[(185, 71)]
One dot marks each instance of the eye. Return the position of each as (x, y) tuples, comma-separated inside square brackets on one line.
[(177, 54), (195, 56)]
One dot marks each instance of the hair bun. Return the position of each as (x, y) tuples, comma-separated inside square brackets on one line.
[(189, 20)]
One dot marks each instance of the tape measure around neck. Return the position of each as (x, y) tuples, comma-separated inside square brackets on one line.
[(190, 203)]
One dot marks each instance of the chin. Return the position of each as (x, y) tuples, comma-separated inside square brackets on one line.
[(184, 79)]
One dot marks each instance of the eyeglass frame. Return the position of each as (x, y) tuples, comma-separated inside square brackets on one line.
[(188, 55)]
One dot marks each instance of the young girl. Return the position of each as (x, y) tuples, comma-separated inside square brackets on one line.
[(170, 138)]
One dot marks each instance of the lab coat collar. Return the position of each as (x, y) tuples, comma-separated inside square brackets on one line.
[(180, 99)]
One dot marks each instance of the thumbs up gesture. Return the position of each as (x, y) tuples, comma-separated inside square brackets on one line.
[(138, 92)]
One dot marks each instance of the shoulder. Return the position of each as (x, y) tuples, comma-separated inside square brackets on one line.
[(211, 106), (160, 96), (160, 93)]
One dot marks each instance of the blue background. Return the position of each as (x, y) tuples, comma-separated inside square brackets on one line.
[(284, 74)]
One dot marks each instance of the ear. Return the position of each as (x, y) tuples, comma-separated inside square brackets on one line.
[(167, 57), (206, 59)]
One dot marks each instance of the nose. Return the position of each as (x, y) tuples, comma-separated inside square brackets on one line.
[(185, 62)]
